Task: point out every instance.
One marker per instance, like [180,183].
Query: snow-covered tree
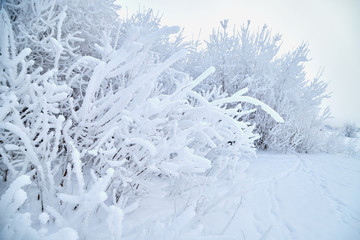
[246,59]
[93,112]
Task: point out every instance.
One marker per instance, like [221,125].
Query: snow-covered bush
[246,59]
[350,130]
[93,114]
[59,31]
[31,143]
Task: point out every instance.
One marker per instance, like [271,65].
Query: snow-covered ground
[315,196]
[300,197]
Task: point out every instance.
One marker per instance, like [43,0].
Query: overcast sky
[331,27]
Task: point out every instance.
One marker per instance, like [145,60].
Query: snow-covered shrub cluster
[93,112]
[246,59]
[346,140]
[350,130]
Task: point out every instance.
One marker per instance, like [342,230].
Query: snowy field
[300,197]
[291,196]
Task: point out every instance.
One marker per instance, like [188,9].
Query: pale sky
[331,27]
